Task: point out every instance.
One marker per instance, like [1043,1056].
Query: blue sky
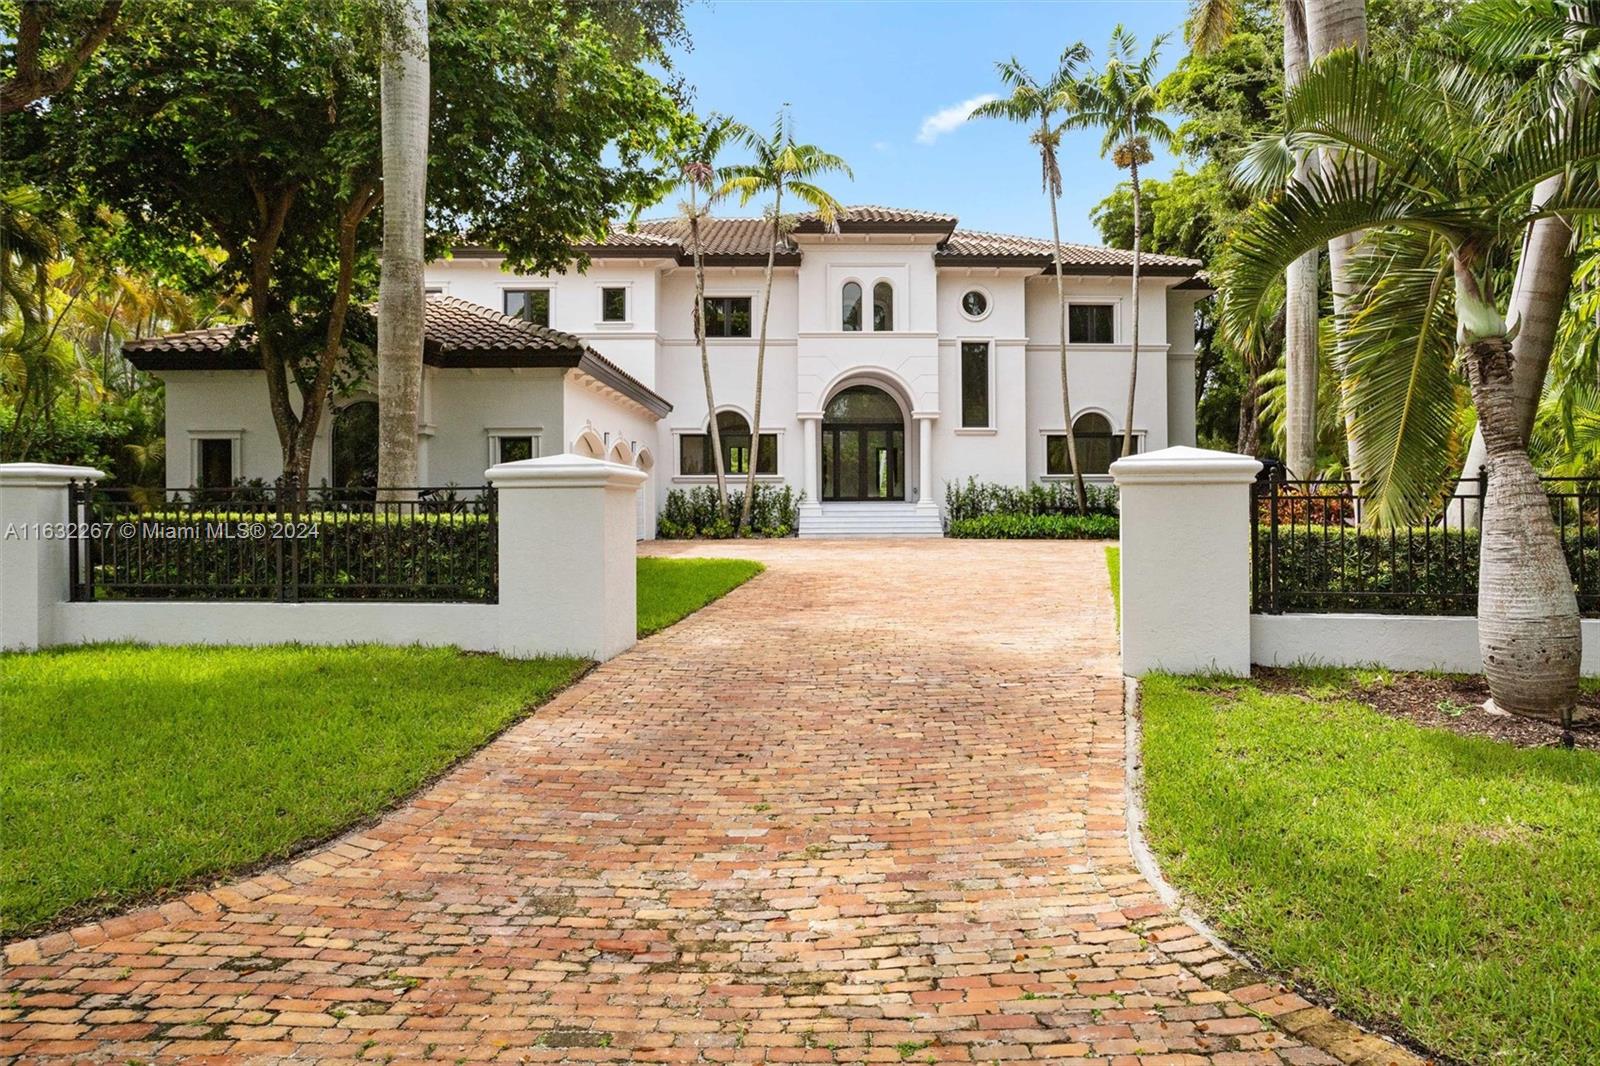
[863,78]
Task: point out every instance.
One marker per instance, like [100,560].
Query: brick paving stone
[869,808]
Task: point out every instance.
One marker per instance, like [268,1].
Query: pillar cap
[564,471]
[45,475]
[1183,465]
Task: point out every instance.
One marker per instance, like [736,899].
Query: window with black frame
[216,463]
[975,384]
[1098,447]
[728,316]
[530,305]
[695,458]
[1091,324]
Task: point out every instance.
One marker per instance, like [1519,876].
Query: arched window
[1098,446]
[355,445]
[851,317]
[882,307]
[695,456]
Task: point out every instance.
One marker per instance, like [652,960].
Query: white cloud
[942,122]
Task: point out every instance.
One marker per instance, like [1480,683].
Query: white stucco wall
[231,403]
[462,407]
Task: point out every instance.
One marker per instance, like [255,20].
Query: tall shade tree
[781,167]
[1121,100]
[696,165]
[1448,154]
[1039,103]
[255,129]
[404,105]
[52,41]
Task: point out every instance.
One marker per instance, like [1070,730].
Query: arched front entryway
[355,445]
[863,446]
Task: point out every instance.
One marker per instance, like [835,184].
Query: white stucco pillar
[567,557]
[1181,386]
[810,427]
[34,563]
[1185,521]
[927,499]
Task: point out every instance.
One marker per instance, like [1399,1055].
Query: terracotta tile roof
[456,333]
[973,244]
[719,237]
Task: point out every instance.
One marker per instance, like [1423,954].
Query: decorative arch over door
[863,446]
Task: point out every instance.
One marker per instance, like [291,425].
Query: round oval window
[975,304]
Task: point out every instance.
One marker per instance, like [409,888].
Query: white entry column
[926,500]
[811,427]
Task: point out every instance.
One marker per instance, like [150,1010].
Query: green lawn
[1114,564]
[1445,883]
[126,771]
[672,588]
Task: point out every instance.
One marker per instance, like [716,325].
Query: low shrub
[1035,527]
[690,513]
[975,499]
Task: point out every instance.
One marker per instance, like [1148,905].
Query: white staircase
[888,519]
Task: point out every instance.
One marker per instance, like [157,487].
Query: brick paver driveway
[867,808]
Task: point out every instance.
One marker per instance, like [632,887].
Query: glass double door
[863,462]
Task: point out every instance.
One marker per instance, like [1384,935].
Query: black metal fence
[1311,551]
[265,544]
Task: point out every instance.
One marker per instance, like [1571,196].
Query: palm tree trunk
[1066,396]
[705,358]
[761,365]
[1528,624]
[401,300]
[1538,297]
[1133,363]
[1300,362]
[1331,25]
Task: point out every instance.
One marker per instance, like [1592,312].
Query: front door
[863,446]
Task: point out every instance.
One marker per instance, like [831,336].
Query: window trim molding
[704,430]
[528,286]
[600,319]
[493,435]
[988,305]
[990,426]
[1141,436]
[235,436]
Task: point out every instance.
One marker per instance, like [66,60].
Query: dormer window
[851,317]
[882,307]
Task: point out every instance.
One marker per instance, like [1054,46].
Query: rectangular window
[514,449]
[1091,323]
[727,316]
[1096,453]
[614,304]
[530,305]
[694,454]
[975,384]
[216,463]
[433,290]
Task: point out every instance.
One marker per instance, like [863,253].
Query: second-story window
[1091,324]
[727,316]
[530,305]
[850,318]
[882,307]
[614,304]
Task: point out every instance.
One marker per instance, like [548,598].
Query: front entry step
[870,520]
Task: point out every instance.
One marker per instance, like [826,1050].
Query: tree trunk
[1538,298]
[1528,623]
[761,365]
[401,299]
[1133,363]
[1300,361]
[1066,395]
[1331,25]
[705,357]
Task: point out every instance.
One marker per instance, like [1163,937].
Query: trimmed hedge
[975,499]
[1035,527]
[691,513]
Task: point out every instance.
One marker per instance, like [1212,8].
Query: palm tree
[401,301]
[1211,23]
[696,163]
[1450,155]
[781,166]
[1122,100]
[1037,103]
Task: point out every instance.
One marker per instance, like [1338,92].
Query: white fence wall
[566,585]
[1186,586]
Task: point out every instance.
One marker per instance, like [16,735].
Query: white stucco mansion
[903,353]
